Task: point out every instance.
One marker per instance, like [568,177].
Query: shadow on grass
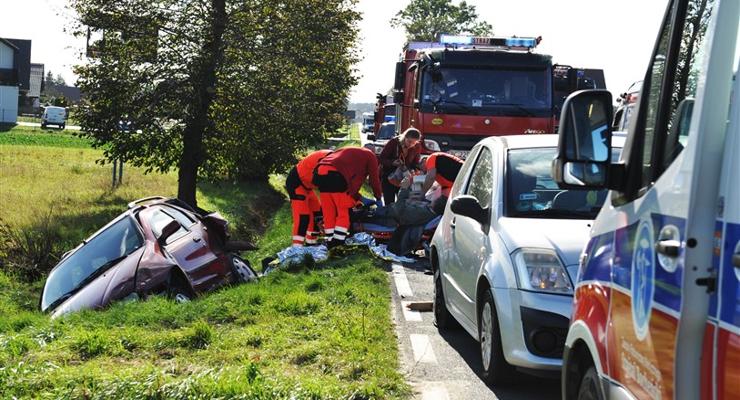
[5,127]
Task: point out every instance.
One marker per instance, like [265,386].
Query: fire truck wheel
[589,388]
[495,371]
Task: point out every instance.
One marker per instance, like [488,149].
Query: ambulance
[656,310]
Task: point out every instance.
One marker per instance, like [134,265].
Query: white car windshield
[387,131]
[532,193]
[92,259]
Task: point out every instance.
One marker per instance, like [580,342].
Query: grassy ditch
[306,333]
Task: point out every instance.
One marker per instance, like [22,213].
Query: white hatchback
[505,254]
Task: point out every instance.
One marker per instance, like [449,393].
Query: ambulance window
[670,87]
[688,71]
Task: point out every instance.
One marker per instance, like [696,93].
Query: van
[54,116]
[656,310]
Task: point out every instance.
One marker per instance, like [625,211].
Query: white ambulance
[656,312]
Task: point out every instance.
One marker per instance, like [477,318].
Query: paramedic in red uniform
[339,177]
[442,168]
[402,151]
[303,201]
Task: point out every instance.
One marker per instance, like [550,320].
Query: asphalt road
[445,366]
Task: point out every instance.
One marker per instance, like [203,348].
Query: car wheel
[442,317]
[62,126]
[43,126]
[242,271]
[589,388]
[178,289]
[495,370]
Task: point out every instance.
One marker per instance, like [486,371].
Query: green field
[307,333]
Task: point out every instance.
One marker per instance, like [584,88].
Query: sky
[616,36]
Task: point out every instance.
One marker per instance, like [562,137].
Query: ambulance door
[725,307]
[661,274]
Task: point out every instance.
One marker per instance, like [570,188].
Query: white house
[8,82]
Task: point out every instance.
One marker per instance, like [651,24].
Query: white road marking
[402,283]
[422,348]
[434,391]
[410,315]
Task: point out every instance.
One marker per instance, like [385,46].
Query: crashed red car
[158,245]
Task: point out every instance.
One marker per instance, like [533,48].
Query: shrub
[30,252]
[199,336]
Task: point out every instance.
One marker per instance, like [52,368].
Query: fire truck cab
[462,89]
[656,312]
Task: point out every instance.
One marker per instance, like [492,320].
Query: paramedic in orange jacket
[339,177]
[303,201]
[442,168]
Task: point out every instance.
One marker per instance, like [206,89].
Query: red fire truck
[462,88]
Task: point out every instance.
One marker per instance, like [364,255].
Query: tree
[423,20]
[216,88]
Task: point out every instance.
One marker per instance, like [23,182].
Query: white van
[656,311]
[54,116]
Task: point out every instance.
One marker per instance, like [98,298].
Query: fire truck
[461,89]
[383,112]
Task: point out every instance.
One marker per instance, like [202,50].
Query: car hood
[567,237]
[114,284]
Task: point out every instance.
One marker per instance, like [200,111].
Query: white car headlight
[541,270]
[432,145]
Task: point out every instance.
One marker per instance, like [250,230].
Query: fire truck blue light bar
[521,42]
[456,39]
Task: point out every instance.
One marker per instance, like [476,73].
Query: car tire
[62,126]
[589,387]
[495,371]
[241,270]
[442,317]
[43,126]
[178,289]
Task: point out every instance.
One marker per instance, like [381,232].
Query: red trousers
[304,216]
[335,202]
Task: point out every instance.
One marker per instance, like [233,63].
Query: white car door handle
[452,224]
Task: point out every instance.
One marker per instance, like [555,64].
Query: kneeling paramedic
[442,168]
[339,177]
[303,201]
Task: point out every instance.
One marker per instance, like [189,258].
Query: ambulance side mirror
[585,143]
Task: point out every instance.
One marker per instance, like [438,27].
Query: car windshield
[386,132]
[491,91]
[532,193]
[89,261]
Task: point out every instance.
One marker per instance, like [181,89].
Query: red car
[158,245]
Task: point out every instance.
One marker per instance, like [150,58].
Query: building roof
[8,43]
[22,61]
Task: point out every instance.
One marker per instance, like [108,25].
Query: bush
[199,336]
[30,252]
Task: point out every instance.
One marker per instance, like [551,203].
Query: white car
[505,254]
[54,116]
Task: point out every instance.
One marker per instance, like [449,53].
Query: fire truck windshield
[487,91]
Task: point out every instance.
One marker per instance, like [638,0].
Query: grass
[354,135]
[307,333]
[34,136]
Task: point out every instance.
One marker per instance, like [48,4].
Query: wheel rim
[486,336]
[181,298]
[242,269]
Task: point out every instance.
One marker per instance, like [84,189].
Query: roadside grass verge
[319,332]
[322,333]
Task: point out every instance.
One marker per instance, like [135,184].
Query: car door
[662,218]
[449,258]
[187,246]
[469,236]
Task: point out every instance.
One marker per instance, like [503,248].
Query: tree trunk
[204,83]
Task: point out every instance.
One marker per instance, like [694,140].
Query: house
[9,80]
[36,86]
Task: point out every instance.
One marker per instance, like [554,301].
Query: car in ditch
[159,245]
[505,254]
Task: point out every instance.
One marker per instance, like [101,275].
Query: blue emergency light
[485,41]
[455,39]
[521,42]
